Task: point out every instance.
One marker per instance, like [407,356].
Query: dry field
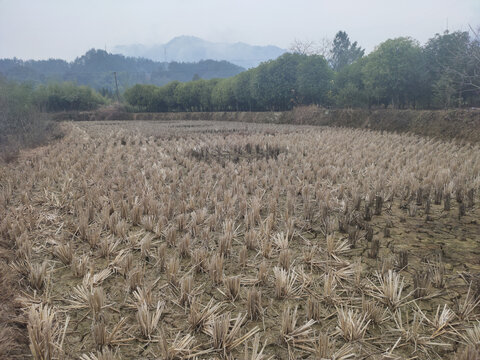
[211,240]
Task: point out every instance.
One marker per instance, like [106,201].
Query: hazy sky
[41,29]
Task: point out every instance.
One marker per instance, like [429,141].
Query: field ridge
[459,124]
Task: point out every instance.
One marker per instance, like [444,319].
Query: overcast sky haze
[42,29]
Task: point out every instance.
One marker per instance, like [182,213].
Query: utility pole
[116,85]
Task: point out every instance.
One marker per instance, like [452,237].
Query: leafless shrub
[216,268]
[466,307]
[461,210]
[143,295]
[171,237]
[401,261]
[266,247]
[96,301]
[93,237]
[184,247]
[254,303]
[388,263]
[24,248]
[472,335]
[102,337]
[437,273]
[179,348]
[250,239]
[470,198]
[45,333]
[293,335]
[446,202]
[146,247]
[367,215]
[64,252]
[242,256]
[378,205]
[390,289]
[441,320]
[37,274]
[135,278]
[186,290]
[470,352]
[173,267]
[284,259]
[136,214]
[284,282]
[314,310]
[121,229]
[262,272]
[329,286]
[232,286]
[374,249]
[80,265]
[225,335]
[336,248]
[83,226]
[160,257]
[200,260]
[257,353]
[352,325]
[369,233]
[199,316]
[108,247]
[372,311]
[148,321]
[324,348]
[421,283]
[105,354]
[412,210]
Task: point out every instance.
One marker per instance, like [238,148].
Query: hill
[191,49]
[95,68]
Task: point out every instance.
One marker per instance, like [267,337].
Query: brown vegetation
[224,240]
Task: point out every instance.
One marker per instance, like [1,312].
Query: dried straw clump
[45,333]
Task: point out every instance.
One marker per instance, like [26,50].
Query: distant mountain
[191,49]
[95,68]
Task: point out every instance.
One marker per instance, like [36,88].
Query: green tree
[223,95]
[451,68]
[167,92]
[350,90]
[314,80]
[393,72]
[344,52]
[68,97]
[146,98]
[242,87]
[274,84]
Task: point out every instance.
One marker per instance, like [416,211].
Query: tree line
[19,98]
[95,69]
[399,73]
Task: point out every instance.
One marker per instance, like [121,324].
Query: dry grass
[254,304]
[294,336]
[45,332]
[324,243]
[148,320]
[352,325]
